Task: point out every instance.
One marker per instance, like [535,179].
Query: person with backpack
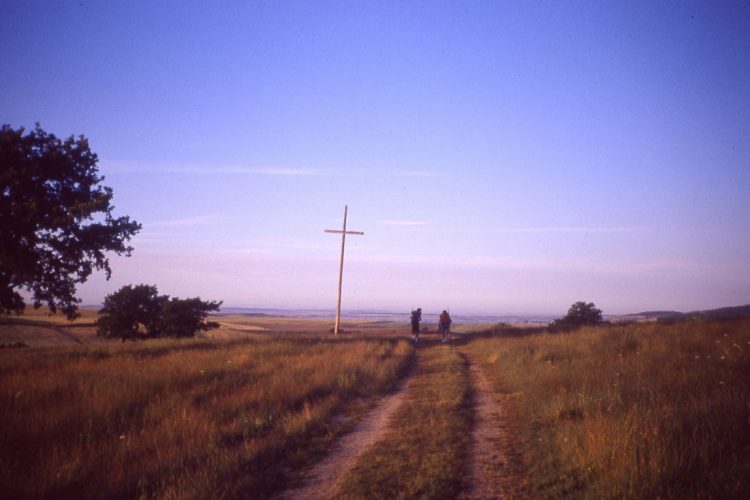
[444,325]
[416,317]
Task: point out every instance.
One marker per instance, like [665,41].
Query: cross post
[343,234]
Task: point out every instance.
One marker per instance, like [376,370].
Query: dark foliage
[185,317]
[580,314]
[139,313]
[131,313]
[56,222]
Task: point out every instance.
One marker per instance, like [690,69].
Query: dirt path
[494,466]
[322,480]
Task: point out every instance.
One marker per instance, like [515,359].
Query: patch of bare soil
[495,468]
[322,480]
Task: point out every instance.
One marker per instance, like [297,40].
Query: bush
[580,314]
[185,317]
[139,313]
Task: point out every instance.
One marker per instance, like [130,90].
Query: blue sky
[501,157]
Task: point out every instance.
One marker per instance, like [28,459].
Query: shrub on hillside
[139,313]
[185,317]
[130,313]
[580,314]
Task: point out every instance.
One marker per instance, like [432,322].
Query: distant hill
[720,313]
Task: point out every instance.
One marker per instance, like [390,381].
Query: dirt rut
[322,480]
[494,465]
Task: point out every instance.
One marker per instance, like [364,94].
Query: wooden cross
[343,234]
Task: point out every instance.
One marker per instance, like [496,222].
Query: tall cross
[343,234]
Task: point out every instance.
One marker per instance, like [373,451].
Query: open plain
[269,407]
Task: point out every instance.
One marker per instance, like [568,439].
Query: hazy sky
[501,157]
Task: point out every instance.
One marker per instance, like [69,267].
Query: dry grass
[424,453]
[39,328]
[633,411]
[637,411]
[181,419]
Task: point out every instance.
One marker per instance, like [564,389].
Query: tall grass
[636,411]
[181,419]
[425,452]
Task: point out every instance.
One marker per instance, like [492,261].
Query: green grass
[636,411]
[424,453]
[182,419]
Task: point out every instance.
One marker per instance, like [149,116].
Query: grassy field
[191,419]
[644,410]
[636,411]
[38,328]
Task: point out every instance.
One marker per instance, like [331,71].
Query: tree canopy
[140,313]
[580,314]
[131,313]
[185,317]
[56,222]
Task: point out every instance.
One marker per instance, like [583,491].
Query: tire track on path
[494,465]
[322,479]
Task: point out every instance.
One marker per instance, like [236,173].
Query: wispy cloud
[265,171]
[126,167]
[568,230]
[621,267]
[240,170]
[403,222]
[416,173]
[388,172]
[140,168]
[198,220]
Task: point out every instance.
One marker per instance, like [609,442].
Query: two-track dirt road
[493,473]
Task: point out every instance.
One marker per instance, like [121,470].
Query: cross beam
[343,232]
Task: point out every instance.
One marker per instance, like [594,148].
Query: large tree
[56,222]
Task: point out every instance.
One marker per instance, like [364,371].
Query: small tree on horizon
[579,314]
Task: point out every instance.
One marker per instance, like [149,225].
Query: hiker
[416,317]
[444,325]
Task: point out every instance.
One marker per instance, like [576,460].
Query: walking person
[444,325]
[416,317]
